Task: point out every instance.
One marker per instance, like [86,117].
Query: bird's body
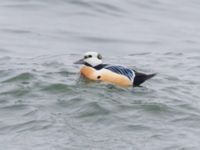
[93,69]
[105,75]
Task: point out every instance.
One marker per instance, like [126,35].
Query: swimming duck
[94,69]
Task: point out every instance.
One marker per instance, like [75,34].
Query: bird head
[91,59]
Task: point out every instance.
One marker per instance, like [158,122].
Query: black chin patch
[87,64]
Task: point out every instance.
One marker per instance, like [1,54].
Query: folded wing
[129,73]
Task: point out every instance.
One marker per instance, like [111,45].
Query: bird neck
[97,67]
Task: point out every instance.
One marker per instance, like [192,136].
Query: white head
[91,58]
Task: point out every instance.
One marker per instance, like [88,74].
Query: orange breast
[106,76]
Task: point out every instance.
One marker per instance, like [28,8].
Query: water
[44,105]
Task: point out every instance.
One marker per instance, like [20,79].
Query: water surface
[44,105]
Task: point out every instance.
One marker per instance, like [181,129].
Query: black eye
[85,57]
[89,56]
[99,56]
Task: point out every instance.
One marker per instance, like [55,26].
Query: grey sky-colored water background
[44,105]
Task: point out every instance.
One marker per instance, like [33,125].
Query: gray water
[44,105]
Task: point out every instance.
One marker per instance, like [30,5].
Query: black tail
[141,78]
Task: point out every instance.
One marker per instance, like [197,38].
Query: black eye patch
[89,56]
[85,57]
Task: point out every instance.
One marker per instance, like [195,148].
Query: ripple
[63,73]
[15,107]
[157,108]
[26,76]
[71,102]
[104,40]
[174,53]
[34,125]
[134,128]
[4,50]
[16,92]
[5,58]
[138,54]
[80,2]
[92,110]
[107,6]
[57,88]
[23,6]
[16,31]
[102,7]
[190,121]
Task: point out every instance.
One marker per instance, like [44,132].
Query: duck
[94,69]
